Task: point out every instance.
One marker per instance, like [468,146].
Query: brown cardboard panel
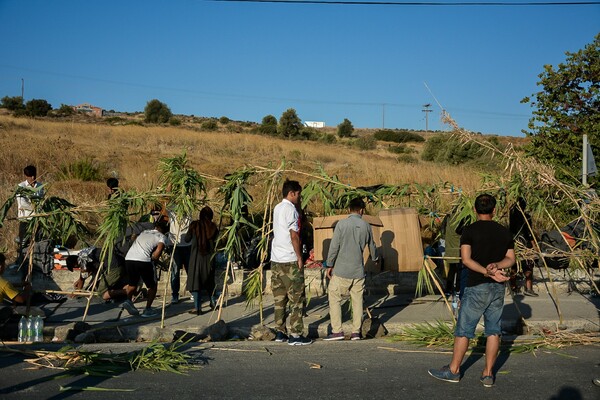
[323,232]
[400,238]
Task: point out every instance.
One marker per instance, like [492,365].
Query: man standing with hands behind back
[487,250]
[287,267]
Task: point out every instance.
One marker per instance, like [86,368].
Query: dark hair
[112,183]
[356,204]
[30,170]
[72,262]
[162,225]
[206,213]
[485,204]
[2,258]
[290,186]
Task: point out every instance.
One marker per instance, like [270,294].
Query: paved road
[370,369]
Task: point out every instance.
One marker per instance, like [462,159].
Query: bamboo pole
[426,264]
[222,296]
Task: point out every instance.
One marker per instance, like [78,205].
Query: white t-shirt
[24,206]
[178,231]
[285,217]
[144,246]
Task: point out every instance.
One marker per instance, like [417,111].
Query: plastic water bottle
[29,329]
[455,305]
[38,329]
[23,329]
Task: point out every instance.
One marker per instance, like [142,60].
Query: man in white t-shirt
[148,247]
[181,254]
[30,189]
[287,273]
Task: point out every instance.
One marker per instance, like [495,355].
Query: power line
[422,3]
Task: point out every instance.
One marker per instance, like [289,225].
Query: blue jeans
[180,257]
[485,299]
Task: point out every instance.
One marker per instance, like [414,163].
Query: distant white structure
[314,124]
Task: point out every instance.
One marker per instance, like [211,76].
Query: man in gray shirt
[346,268]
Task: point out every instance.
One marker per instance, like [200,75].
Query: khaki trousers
[340,288]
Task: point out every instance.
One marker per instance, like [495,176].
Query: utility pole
[383,116]
[426,111]
[22,89]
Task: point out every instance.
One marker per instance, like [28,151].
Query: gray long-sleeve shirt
[350,237]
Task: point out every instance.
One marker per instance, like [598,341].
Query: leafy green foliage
[37,108]
[367,142]
[447,149]
[174,121]
[12,103]
[186,188]
[64,111]
[157,112]
[565,109]
[210,125]
[345,128]
[57,219]
[290,124]
[398,136]
[268,125]
[224,120]
[85,170]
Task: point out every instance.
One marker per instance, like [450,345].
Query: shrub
[407,159]
[173,121]
[224,120]
[290,124]
[85,170]
[310,133]
[345,129]
[400,149]
[398,136]
[157,112]
[37,108]
[12,103]
[210,125]
[269,125]
[447,149]
[328,138]
[64,111]
[366,142]
[234,128]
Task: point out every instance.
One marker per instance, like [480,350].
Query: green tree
[37,108]
[157,112]
[345,129]
[565,109]
[269,125]
[65,110]
[289,124]
[12,103]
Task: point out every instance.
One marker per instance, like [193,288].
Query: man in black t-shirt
[487,250]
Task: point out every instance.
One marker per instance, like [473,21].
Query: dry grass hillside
[131,152]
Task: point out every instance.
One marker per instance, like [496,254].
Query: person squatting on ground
[202,235]
[112,281]
[30,189]
[287,273]
[148,247]
[519,224]
[487,249]
[346,268]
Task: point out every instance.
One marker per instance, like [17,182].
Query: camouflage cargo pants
[287,283]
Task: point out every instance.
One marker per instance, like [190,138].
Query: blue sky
[367,63]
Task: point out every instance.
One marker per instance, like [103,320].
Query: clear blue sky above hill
[245,60]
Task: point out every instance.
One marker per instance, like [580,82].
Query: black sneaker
[281,337]
[299,341]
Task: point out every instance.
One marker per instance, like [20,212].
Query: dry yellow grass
[132,153]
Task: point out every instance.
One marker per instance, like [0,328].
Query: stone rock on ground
[217,332]
[261,332]
[70,331]
[373,328]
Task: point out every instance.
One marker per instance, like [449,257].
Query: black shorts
[141,269]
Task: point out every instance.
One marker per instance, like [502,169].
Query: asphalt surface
[373,369]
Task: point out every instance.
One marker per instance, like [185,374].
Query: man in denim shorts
[487,250]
